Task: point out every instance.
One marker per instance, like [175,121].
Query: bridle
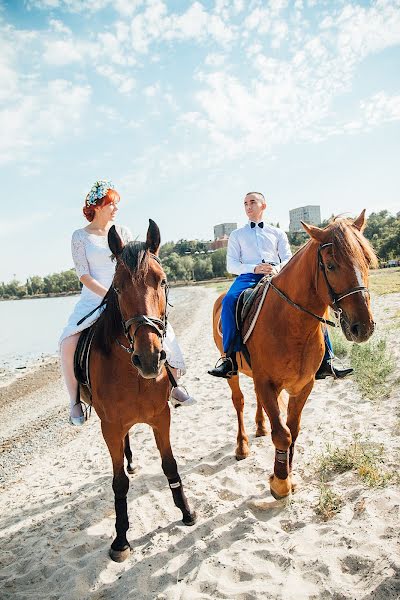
[335,298]
[158,325]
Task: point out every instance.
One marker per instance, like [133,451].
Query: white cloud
[124,83]
[38,120]
[380,108]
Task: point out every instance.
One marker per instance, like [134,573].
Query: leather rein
[158,325]
[335,298]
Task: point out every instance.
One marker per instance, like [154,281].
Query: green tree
[218,260]
[203,268]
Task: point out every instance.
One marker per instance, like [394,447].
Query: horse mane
[134,258]
[349,246]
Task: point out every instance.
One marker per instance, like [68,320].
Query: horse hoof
[261,432]
[120,555]
[131,469]
[243,454]
[280,488]
[189,519]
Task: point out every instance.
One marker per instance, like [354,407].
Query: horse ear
[153,239]
[360,221]
[114,241]
[320,235]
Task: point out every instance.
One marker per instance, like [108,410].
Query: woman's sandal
[188,401]
[78,421]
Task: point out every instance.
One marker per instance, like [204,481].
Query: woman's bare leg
[67,351]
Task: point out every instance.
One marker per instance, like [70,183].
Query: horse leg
[114,439]
[128,455]
[295,408]
[161,429]
[261,428]
[280,482]
[242,448]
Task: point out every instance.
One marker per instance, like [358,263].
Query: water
[29,329]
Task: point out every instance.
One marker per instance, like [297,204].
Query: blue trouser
[230,334]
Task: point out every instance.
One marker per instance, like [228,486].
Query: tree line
[191,260]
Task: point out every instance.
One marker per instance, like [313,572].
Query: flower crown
[99,190]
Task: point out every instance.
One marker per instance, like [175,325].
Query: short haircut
[257,194]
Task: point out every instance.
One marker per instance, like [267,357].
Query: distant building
[220,243]
[309,214]
[224,229]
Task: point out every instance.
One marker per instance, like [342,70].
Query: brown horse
[128,378]
[287,346]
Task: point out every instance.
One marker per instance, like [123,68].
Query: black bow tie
[252,224]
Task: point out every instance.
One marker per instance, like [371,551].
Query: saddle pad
[81,356]
[249,305]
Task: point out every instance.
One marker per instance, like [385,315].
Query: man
[256,250]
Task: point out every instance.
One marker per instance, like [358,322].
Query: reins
[335,298]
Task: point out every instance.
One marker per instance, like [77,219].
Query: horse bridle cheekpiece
[335,298]
[159,325]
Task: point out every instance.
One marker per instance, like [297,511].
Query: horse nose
[136,360]
[163,355]
[356,329]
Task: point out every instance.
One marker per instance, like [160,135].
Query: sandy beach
[56,500]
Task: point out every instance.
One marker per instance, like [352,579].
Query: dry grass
[329,503]
[373,363]
[385,281]
[364,458]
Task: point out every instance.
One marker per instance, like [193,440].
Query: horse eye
[117,290]
[330,267]
[163,283]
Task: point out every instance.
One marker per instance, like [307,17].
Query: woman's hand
[93,285]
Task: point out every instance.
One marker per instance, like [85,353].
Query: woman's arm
[82,265]
[93,285]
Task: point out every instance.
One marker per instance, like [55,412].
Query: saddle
[81,357]
[248,308]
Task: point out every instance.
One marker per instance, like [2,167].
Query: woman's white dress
[92,256]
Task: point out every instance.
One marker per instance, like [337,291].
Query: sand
[56,501]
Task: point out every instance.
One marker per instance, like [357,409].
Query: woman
[95,270]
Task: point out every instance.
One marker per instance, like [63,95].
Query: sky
[186,106]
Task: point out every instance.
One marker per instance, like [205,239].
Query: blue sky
[186,106]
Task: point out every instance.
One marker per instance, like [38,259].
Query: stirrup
[86,410]
[232,372]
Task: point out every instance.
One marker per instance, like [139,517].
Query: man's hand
[265,269]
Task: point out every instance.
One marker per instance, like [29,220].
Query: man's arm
[284,251]
[233,264]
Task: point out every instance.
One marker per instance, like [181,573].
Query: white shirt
[248,247]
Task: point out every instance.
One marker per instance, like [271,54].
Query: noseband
[335,298]
[158,325]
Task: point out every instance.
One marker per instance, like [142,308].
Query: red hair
[111,196]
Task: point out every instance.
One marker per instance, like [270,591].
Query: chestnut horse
[287,345]
[128,378]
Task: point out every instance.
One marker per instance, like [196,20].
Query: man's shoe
[327,369]
[226,369]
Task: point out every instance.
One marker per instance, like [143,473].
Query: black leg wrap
[180,500]
[121,524]
[281,468]
[291,452]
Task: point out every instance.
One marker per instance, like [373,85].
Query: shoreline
[172,284]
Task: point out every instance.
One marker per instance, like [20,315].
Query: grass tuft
[364,457]
[329,503]
[372,363]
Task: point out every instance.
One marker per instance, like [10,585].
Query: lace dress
[92,256]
